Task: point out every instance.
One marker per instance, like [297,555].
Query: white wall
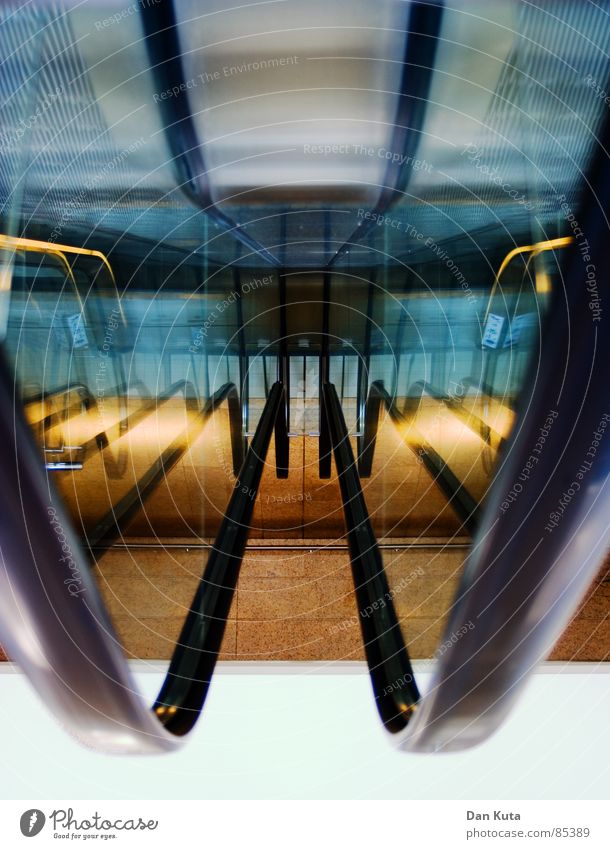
[311,731]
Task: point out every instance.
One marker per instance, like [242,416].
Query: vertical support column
[324,439]
[364,366]
[282,422]
[244,374]
[284,364]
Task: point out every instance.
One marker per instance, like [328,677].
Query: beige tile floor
[300,604]
[297,605]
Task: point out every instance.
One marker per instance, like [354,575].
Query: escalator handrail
[10,243]
[471,420]
[60,250]
[423,30]
[52,619]
[110,526]
[51,420]
[102,440]
[396,693]
[485,389]
[187,682]
[462,501]
[162,43]
[535,555]
[115,469]
[519,250]
[59,392]
[89,400]
[324,444]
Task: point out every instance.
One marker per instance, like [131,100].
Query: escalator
[420,437]
[132,450]
[378,369]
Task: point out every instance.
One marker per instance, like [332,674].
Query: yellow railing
[14,243]
[534,250]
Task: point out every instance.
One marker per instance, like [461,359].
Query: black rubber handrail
[51,420]
[70,410]
[244,373]
[164,51]
[282,447]
[396,693]
[464,504]
[59,392]
[115,469]
[100,440]
[484,388]
[423,31]
[471,420]
[184,691]
[282,424]
[110,527]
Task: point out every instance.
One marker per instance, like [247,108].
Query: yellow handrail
[12,244]
[21,244]
[536,248]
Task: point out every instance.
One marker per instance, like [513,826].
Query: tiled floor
[297,605]
[300,605]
